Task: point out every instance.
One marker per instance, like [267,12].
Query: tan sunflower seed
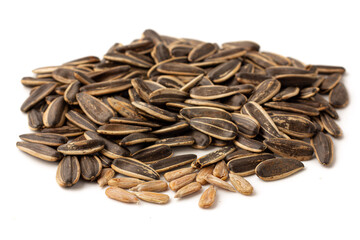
[207,199]
[221,170]
[90,166]
[172,175]
[278,168]
[241,184]
[339,96]
[105,175]
[180,182]
[219,183]
[188,190]
[124,182]
[200,177]
[68,171]
[245,165]
[323,147]
[290,148]
[152,186]
[39,151]
[48,139]
[121,195]
[151,197]
[133,168]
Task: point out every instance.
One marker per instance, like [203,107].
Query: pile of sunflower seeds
[127,114]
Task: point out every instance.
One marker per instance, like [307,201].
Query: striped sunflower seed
[338,96]
[121,129]
[48,139]
[133,168]
[213,157]
[90,166]
[68,171]
[36,96]
[215,127]
[323,148]
[245,165]
[278,168]
[265,91]
[172,162]
[290,148]
[83,147]
[39,151]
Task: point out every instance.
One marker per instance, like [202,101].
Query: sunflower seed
[227,54]
[249,144]
[68,171]
[151,197]
[246,45]
[308,92]
[108,87]
[48,139]
[71,91]
[268,128]
[182,181]
[105,175]
[188,190]
[215,127]
[111,149]
[245,165]
[170,81]
[294,107]
[290,148]
[134,122]
[36,96]
[208,103]
[325,69]
[64,75]
[66,131]
[175,174]
[136,138]
[295,126]
[173,162]
[164,95]
[201,51]
[122,58]
[219,183]
[54,116]
[323,147]
[200,177]
[35,121]
[156,111]
[90,167]
[177,141]
[241,184]
[97,111]
[224,71]
[221,170]
[133,168]
[251,78]
[83,78]
[201,140]
[39,151]
[236,154]
[160,53]
[124,182]
[121,129]
[212,92]
[286,93]
[175,68]
[121,195]
[338,96]
[297,80]
[265,91]
[278,168]
[172,129]
[193,112]
[83,147]
[246,124]
[213,157]
[152,186]
[207,199]
[330,125]
[80,120]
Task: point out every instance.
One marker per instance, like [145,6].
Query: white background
[318,203]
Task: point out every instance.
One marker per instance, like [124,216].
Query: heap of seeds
[127,113]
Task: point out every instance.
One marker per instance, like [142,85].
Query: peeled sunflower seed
[221,170]
[90,166]
[241,184]
[215,127]
[68,171]
[83,147]
[278,168]
[245,165]
[134,168]
[323,148]
[182,181]
[207,199]
[151,197]
[48,139]
[172,162]
[188,189]
[172,175]
[151,186]
[121,195]
[219,183]
[290,148]
[105,175]
[40,151]
[124,182]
